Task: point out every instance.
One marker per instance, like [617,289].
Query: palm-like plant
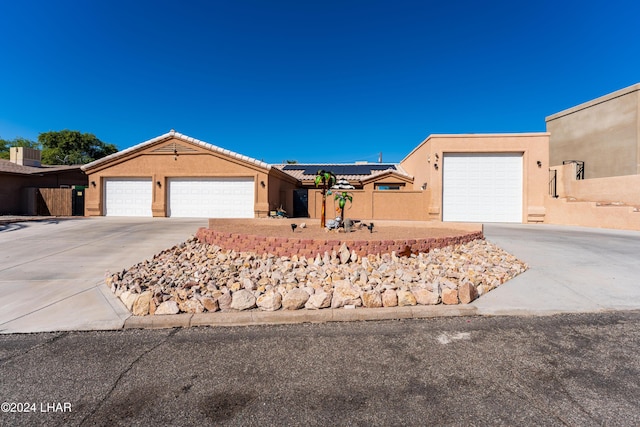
[326,180]
[342,199]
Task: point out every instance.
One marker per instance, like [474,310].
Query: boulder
[141,305]
[425,296]
[345,295]
[390,298]
[243,300]
[270,301]
[167,307]
[467,293]
[371,299]
[318,300]
[449,296]
[405,298]
[295,299]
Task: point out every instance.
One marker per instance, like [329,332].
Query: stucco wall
[604,133]
[378,204]
[160,166]
[534,147]
[623,189]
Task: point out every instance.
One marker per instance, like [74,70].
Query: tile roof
[350,172]
[182,137]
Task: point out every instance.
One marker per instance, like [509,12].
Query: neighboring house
[603,133]
[23,176]
[595,162]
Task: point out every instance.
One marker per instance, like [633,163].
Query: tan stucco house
[174,175]
[500,177]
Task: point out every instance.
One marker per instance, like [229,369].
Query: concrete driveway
[52,272]
[572,269]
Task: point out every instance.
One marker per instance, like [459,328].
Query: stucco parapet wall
[284,246]
[185,138]
[600,100]
[475,136]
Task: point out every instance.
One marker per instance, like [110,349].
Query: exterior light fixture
[159,184]
[539,163]
[93,184]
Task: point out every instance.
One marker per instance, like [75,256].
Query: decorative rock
[167,307]
[191,306]
[450,296]
[295,299]
[345,295]
[270,301]
[242,300]
[141,306]
[371,299]
[467,293]
[425,296]
[318,300]
[194,271]
[344,254]
[389,298]
[405,298]
[209,303]
[128,299]
[224,301]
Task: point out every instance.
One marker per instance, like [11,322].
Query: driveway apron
[52,272]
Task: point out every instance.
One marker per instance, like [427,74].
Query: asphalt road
[576,369]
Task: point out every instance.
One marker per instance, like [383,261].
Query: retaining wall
[284,246]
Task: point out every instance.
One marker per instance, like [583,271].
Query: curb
[253,318]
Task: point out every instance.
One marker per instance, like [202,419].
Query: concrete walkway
[52,275]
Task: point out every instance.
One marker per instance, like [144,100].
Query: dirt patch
[382,230]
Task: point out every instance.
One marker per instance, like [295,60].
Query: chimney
[24,156]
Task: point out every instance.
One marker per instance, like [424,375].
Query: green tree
[326,180]
[70,147]
[6,144]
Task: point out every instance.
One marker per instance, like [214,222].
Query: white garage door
[127,196]
[211,197]
[482,187]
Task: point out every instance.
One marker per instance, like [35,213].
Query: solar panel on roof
[342,169]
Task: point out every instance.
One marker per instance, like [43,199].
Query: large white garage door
[211,197]
[482,187]
[127,196]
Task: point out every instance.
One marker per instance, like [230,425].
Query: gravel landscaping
[195,277]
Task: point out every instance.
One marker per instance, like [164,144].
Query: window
[388,186]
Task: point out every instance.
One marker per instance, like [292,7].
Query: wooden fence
[55,201]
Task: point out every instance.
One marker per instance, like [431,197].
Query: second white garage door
[211,197]
[482,187]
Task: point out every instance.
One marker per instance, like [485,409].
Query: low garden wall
[284,246]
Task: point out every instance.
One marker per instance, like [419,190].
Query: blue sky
[306,80]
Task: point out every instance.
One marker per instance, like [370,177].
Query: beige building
[482,177]
[467,178]
[174,175]
[603,133]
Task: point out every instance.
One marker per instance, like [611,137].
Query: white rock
[242,300]
[167,307]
